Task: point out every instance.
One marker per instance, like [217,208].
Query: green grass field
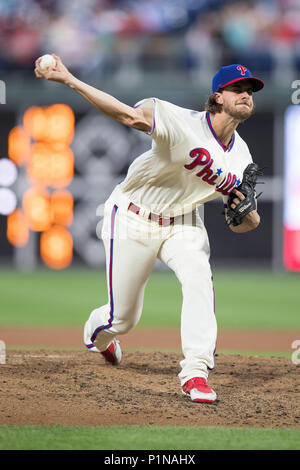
[146,438]
[256,300]
[253,300]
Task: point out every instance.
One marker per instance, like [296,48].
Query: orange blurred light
[39,165]
[61,123]
[35,123]
[62,167]
[18,145]
[62,207]
[51,166]
[56,247]
[37,209]
[17,228]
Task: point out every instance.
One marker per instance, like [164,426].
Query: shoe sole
[200,400]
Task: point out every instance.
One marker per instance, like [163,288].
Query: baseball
[47,61]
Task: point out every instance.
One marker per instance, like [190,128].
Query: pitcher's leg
[199,328]
[187,254]
[129,265]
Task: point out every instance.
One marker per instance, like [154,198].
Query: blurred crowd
[127,39]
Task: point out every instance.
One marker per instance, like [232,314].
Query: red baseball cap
[234,73]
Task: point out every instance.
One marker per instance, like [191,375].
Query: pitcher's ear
[218,97]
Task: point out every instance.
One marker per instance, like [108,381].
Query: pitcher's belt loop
[153,217]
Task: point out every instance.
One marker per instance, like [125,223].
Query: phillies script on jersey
[202,158]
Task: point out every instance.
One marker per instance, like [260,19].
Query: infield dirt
[43,387]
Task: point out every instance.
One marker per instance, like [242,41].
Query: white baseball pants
[132,244]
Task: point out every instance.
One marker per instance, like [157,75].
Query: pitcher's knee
[196,275]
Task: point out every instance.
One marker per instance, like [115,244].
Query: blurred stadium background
[60,158]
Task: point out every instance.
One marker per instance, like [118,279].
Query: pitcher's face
[237,100]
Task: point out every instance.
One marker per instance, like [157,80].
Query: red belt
[154,217]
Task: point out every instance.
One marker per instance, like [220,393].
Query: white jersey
[187,164]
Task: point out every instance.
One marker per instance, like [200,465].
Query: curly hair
[212,106]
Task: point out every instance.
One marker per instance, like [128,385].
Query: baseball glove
[247,188]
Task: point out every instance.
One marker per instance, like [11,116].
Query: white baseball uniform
[186,167]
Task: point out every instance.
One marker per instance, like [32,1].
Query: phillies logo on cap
[242,69]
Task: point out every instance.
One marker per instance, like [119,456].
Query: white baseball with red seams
[47,61]
[186,166]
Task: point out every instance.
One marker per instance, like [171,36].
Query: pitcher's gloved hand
[238,208]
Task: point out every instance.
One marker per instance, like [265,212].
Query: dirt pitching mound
[79,388]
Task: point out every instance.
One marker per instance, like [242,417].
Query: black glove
[247,188]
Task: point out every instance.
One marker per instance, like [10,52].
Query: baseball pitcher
[195,157]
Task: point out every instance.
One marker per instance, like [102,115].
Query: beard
[238,112]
